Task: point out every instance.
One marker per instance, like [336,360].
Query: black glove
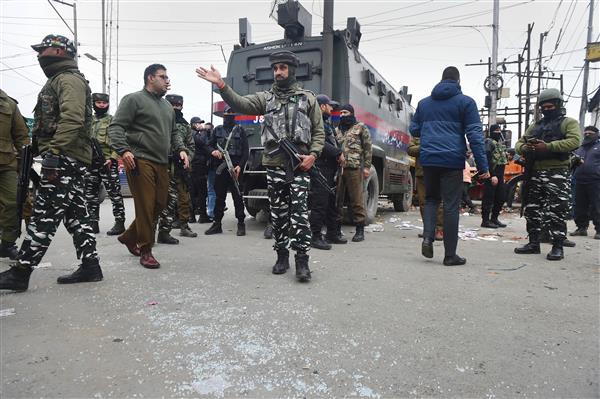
[50,167]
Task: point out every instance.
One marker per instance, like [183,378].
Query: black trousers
[224,183]
[199,192]
[443,184]
[323,210]
[493,196]
[587,205]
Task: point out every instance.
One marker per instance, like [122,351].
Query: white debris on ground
[375,228]
[7,312]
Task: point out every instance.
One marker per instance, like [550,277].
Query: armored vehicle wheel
[402,202]
[371,195]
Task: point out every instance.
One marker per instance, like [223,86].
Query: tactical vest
[47,111]
[99,132]
[287,117]
[235,143]
[549,132]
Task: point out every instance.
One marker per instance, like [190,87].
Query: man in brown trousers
[141,132]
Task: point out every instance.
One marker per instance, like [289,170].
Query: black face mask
[496,136]
[552,113]
[100,111]
[588,139]
[228,121]
[48,60]
[347,121]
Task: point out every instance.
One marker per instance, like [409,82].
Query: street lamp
[91,57]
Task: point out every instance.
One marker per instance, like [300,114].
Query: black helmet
[284,57]
[100,97]
[174,99]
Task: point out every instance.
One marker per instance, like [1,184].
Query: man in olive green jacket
[548,143]
[63,115]
[13,136]
[284,103]
[142,132]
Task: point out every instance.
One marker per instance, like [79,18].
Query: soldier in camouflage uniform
[104,170]
[63,116]
[179,197]
[13,136]
[284,103]
[548,142]
[355,140]
[493,197]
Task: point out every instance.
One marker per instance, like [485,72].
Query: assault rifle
[527,175]
[98,155]
[25,174]
[291,151]
[230,168]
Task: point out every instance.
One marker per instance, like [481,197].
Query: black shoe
[556,253]
[283,261]
[568,243]
[166,238]
[454,260]
[318,242]
[204,219]
[335,239]
[268,233]
[95,228]
[579,232]
[241,229]
[302,270]
[427,248]
[360,233]
[8,250]
[489,224]
[529,248]
[216,228]
[498,223]
[15,278]
[118,228]
[88,271]
[185,231]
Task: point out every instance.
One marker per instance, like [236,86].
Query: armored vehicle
[352,79]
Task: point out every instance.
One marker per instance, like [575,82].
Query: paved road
[378,320]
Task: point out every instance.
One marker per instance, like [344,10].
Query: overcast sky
[409,42]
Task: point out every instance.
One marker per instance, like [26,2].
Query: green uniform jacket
[185,133]
[73,95]
[413,150]
[357,146]
[13,132]
[572,141]
[145,125]
[255,104]
[100,133]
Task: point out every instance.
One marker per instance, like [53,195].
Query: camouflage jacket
[13,132]
[100,133]
[184,131]
[357,146]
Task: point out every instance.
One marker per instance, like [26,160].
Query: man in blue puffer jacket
[441,121]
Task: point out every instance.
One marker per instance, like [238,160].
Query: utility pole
[327,76]
[540,73]
[586,69]
[103,48]
[74,6]
[494,68]
[528,76]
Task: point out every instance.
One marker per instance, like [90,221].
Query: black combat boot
[88,271]
[581,231]
[215,228]
[165,238]
[16,279]
[568,243]
[497,222]
[186,231]
[360,233]
[268,233]
[532,247]
[486,222]
[283,261]
[302,270]
[556,253]
[318,242]
[241,228]
[95,228]
[8,250]
[427,248]
[335,236]
[118,228]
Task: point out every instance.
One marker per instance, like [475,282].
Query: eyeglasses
[163,77]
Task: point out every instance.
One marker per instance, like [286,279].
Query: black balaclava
[347,121]
[552,113]
[496,133]
[100,111]
[179,116]
[590,135]
[52,64]
[228,121]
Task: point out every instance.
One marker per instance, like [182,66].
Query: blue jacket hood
[445,90]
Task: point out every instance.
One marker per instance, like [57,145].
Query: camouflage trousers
[289,209]
[167,215]
[62,199]
[110,179]
[548,204]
